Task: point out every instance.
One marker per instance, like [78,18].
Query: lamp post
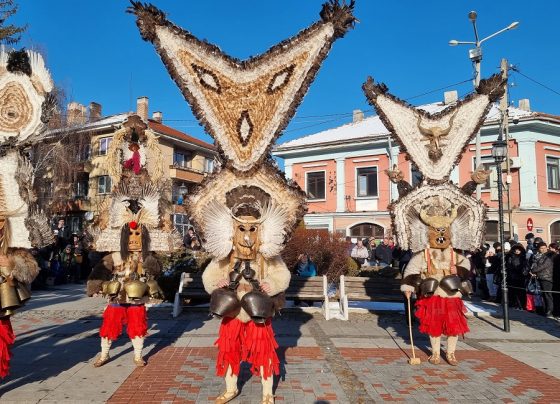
[475,55]
[499,152]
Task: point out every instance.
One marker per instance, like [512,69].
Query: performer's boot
[435,342]
[103,357]
[231,388]
[268,397]
[138,344]
[450,352]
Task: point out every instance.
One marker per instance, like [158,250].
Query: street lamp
[499,152]
[475,55]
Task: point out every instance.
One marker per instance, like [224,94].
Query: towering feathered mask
[244,105]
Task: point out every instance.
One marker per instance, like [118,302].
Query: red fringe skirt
[116,316]
[441,315]
[7,339]
[250,342]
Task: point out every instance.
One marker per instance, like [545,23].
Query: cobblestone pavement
[363,360]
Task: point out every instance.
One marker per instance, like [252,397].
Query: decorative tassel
[137,325]
[259,349]
[229,346]
[439,315]
[114,317]
[7,339]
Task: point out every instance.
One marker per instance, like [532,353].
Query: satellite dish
[88,216]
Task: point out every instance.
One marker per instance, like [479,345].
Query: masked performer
[25,106]
[134,217]
[437,219]
[246,211]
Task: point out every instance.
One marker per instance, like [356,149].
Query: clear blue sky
[95,52]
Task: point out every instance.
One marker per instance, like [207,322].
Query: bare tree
[9,33]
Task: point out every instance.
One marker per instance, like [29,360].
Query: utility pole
[504,127]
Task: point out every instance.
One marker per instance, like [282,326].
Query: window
[315,185]
[367,230]
[103,184]
[208,165]
[415,175]
[84,152]
[555,232]
[492,232]
[181,159]
[81,188]
[553,173]
[104,145]
[181,223]
[366,181]
[179,191]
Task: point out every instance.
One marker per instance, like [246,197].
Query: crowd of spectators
[64,261]
[532,274]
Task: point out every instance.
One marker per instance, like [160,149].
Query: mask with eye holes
[246,238]
[134,237]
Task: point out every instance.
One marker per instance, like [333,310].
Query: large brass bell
[224,303]
[450,284]
[9,299]
[153,288]
[23,292]
[258,306]
[428,286]
[466,288]
[6,313]
[104,287]
[113,287]
[135,289]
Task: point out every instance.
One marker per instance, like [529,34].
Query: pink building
[342,171]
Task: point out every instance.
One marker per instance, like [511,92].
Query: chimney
[142,108]
[157,116]
[75,114]
[450,97]
[525,104]
[94,111]
[357,115]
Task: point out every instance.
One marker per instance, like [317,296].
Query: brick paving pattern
[187,375]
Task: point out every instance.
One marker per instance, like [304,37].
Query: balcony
[186,173]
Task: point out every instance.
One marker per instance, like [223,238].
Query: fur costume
[25,107]
[134,223]
[247,210]
[437,219]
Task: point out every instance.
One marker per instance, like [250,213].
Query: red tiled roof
[166,130]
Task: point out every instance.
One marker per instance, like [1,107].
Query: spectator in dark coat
[516,268]
[384,253]
[554,247]
[542,267]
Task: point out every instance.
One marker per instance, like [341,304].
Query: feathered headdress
[435,143]
[244,105]
[140,195]
[25,106]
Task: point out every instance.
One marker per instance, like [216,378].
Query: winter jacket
[384,253]
[307,269]
[542,266]
[516,265]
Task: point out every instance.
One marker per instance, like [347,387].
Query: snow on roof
[372,126]
[108,121]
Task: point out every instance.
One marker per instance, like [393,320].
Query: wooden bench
[371,289]
[190,287]
[312,288]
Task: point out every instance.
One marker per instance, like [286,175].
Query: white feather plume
[274,218]
[218,229]
[39,70]
[149,213]
[119,212]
